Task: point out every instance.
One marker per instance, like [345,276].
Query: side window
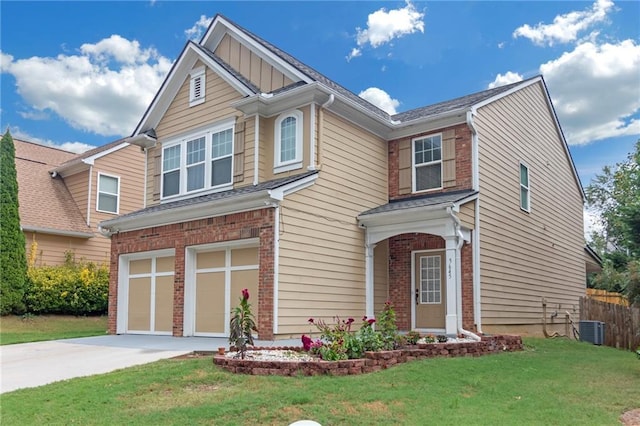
[288,142]
[171,171]
[427,163]
[525,201]
[197,86]
[108,193]
[195,164]
[221,157]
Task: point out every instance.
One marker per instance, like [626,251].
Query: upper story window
[524,188]
[288,142]
[202,161]
[197,86]
[108,193]
[427,163]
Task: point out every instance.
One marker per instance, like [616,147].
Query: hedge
[74,288]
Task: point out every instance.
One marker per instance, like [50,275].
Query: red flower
[311,320]
[306,342]
[364,318]
[245,294]
[350,321]
[371,321]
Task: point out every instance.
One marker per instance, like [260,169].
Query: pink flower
[364,318]
[306,342]
[350,321]
[245,294]
[311,320]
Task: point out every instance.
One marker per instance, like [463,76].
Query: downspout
[321,127]
[312,137]
[89,196]
[475,173]
[146,169]
[460,237]
[276,264]
[256,150]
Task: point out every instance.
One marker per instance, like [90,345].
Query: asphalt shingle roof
[45,202]
[216,196]
[422,201]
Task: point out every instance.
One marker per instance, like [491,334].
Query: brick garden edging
[372,361]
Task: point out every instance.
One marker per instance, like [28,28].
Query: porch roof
[431,200]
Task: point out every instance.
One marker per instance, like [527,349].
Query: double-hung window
[108,193]
[525,200]
[427,163]
[199,162]
[288,142]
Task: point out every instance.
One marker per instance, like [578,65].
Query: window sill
[287,167]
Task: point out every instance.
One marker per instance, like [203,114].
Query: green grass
[552,382]
[16,329]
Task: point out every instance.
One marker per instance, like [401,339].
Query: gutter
[61,232]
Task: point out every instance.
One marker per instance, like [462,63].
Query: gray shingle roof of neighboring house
[216,196]
[228,68]
[422,201]
[453,104]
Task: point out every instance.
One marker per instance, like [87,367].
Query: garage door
[220,276]
[150,295]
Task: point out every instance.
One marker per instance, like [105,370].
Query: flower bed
[372,361]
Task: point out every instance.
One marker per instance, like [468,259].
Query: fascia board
[91,159]
[187,213]
[60,232]
[465,200]
[269,105]
[413,214]
[427,124]
[283,191]
[221,26]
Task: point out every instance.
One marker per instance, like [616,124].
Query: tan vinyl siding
[128,165]
[51,249]
[467,214]
[526,256]
[180,118]
[319,233]
[250,65]
[78,186]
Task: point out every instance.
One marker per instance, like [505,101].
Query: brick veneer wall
[463,161]
[401,287]
[372,361]
[238,226]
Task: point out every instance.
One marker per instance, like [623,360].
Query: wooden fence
[622,323]
[607,296]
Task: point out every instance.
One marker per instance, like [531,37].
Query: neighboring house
[264,174]
[63,196]
[592,261]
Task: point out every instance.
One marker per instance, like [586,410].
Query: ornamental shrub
[13,261]
[76,288]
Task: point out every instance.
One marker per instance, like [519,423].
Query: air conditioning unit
[592,331]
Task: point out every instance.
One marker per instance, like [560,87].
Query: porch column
[451,319]
[368,278]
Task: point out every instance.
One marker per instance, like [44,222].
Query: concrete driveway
[29,365]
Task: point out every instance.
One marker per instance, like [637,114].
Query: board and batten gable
[180,119]
[322,259]
[527,256]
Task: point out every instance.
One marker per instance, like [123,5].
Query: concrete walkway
[35,364]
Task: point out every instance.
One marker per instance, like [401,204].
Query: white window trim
[413,164]
[440,257]
[528,187]
[98,192]
[195,74]
[182,142]
[296,163]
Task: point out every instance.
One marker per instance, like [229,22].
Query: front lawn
[30,328]
[551,382]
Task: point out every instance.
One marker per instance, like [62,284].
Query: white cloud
[502,80]
[381,99]
[77,147]
[196,31]
[565,28]
[355,52]
[596,90]
[104,89]
[592,223]
[383,26]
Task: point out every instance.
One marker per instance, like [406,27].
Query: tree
[13,261]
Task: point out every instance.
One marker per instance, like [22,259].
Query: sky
[80,74]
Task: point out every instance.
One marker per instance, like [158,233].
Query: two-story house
[264,174]
[63,196]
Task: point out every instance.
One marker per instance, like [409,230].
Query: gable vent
[197,86]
